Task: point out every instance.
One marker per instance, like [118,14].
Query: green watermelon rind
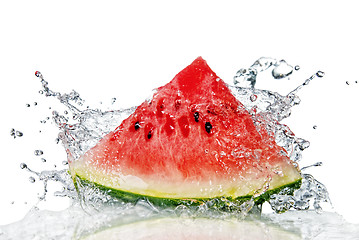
[219,202]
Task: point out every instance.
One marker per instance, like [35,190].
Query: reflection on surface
[141,222]
[199,228]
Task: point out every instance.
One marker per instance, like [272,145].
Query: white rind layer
[255,182]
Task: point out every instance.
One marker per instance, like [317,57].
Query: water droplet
[32,179]
[23,165]
[113,100]
[35,103]
[320,74]
[306,82]
[41,92]
[253,97]
[43,159]
[302,144]
[12,133]
[12,202]
[27,105]
[347,82]
[38,74]
[19,134]
[65,163]
[315,127]
[317,164]
[66,112]
[282,70]
[38,152]
[356,81]
[297,67]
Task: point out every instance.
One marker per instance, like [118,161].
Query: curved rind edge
[216,202]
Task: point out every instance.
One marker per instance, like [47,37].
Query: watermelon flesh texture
[192,140]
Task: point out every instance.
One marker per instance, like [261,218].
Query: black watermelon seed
[196,116]
[149,134]
[137,125]
[208,127]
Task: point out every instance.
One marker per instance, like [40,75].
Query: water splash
[282,70]
[311,194]
[274,107]
[247,77]
[81,127]
[15,133]
[61,176]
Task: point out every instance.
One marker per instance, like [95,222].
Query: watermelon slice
[193,141]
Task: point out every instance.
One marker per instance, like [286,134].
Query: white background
[106,49]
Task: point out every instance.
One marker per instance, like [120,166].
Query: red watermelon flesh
[193,139]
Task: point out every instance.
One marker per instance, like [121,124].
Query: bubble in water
[320,74]
[32,179]
[253,97]
[38,152]
[282,70]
